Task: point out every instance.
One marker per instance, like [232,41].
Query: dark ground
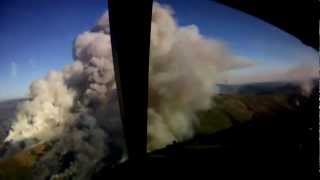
[279,137]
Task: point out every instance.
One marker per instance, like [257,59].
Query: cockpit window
[213,67]
[59,110]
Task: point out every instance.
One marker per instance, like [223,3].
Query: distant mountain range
[289,87]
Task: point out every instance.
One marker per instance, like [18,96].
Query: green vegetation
[213,120]
[228,110]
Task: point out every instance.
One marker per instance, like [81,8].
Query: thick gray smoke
[77,107]
[184,67]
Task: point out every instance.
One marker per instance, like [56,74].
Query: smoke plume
[184,67]
[77,107]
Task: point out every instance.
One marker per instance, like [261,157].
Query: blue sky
[37,35]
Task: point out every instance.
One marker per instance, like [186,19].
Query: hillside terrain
[240,122]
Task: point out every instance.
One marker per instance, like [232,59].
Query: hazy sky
[37,35]
[272,49]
